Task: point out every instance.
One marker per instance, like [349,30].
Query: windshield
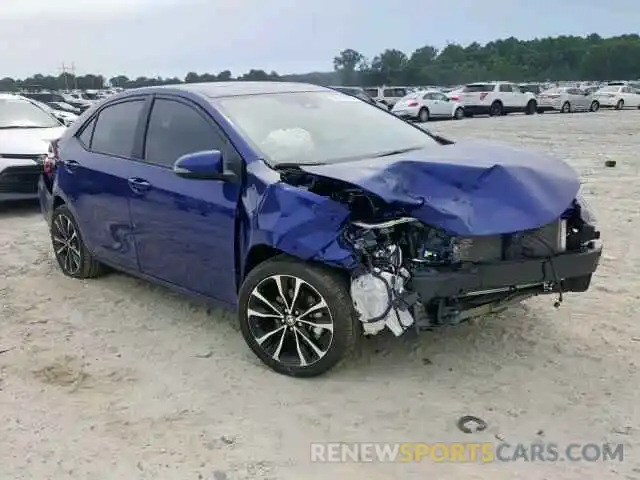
[318,127]
[17,113]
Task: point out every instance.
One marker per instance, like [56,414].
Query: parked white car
[496,98]
[567,99]
[618,97]
[66,118]
[26,131]
[428,104]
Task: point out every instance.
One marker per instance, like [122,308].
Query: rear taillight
[51,160]
[412,103]
[483,95]
[455,99]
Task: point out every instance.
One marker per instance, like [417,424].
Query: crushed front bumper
[569,271]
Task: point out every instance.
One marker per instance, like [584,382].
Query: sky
[173,37]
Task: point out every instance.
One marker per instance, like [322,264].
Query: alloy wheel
[66,244]
[290,320]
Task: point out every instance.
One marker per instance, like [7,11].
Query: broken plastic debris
[373,297]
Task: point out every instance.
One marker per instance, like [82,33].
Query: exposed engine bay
[392,248]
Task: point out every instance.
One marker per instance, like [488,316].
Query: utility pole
[64,76]
[73,72]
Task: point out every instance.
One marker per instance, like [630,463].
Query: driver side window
[176,129]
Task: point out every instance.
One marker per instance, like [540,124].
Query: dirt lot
[117,379]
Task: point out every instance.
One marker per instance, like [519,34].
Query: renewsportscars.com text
[341,452]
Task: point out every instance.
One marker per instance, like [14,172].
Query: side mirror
[207,165]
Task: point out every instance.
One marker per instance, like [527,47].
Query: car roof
[235,88]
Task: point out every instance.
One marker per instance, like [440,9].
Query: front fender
[297,222]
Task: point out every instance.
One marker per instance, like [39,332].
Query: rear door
[185,229]
[95,166]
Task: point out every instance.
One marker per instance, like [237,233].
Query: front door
[443,107]
[93,175]
[184,229]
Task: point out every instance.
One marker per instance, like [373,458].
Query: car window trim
[232,157]
[145,99]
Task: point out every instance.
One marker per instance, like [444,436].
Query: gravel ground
[118,379]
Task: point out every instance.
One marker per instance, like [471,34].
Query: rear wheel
[620,104]
[459,113]
[595,106]
[423,115]
[566,107]
[496,109]
[68,246]
[297,317]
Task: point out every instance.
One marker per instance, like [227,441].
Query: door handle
[138,185]
[70,165]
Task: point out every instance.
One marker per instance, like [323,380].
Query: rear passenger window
[115,129]
[87,133]
[505,88]
[176,129]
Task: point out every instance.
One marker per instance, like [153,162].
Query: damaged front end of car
[408,271]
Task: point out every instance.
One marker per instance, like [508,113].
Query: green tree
[347,64]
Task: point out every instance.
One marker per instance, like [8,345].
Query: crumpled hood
[468,188]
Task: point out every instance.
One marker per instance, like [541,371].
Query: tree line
[546,59]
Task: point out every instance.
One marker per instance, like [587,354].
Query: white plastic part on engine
[370,298]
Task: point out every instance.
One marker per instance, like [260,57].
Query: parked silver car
[567,99]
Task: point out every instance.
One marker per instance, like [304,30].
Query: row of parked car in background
[65,106]
[496,98]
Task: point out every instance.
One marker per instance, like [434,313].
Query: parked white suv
[387,95]
[496,98]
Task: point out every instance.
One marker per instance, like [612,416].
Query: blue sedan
[317,216]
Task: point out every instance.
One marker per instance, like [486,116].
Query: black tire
[496,109]
[566,107]
[327,285]
[423,115]
[595,106]
[459,113]
[532,107]
[620,104]
[73,257]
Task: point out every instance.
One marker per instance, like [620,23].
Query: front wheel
[620,105]
[458,114]
[566,107]
[71,253]
[297,317]
[532,107]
